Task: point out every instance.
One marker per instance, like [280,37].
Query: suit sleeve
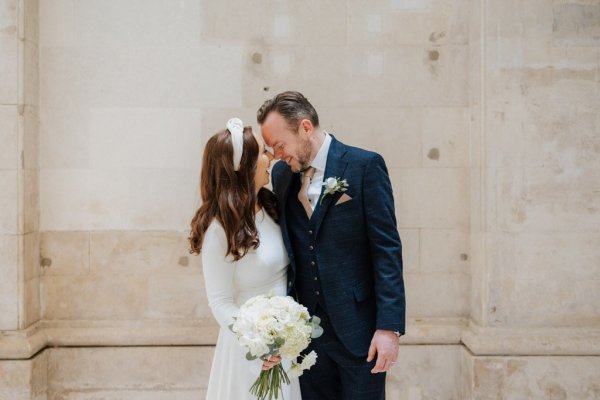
[218,276]
[385,246]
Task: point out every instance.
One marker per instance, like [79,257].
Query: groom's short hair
[292,106]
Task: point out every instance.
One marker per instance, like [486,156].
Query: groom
[344,248]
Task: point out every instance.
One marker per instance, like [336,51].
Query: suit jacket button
[289,284]
[317,292]
[310,232]
[313,263]
[312,248]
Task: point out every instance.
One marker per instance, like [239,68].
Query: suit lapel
[283,194]
[336,166]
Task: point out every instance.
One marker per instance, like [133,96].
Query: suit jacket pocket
[362,292]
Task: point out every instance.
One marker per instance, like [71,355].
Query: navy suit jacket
[357,246]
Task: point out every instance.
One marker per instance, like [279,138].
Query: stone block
[31,76]
[8,18]
[9,120]
[577,24]
[65,252]
[431,197]
[9,299]
[264,75]
[15,380]
[133,199]
[560,377]
[142,253]
[29,202]
[156,138]
[57,23]
[425,372]
[118,76]
[60,212]
[9,200]
[150,23]
[31,21]
[395,133]
[31,139]
[9,63]
[437,294]
[29,245]
[64,137]
[121,296]
[445,137]
[555,274]
[30,306]
[154,192]
[526,197]
[177,297]
[78,372]
[411,243]
[283,23]
[444,250]
[393,23]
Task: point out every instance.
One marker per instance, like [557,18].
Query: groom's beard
[304,157]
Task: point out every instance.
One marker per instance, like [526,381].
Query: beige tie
[303,193]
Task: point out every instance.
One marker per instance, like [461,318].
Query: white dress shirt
[319,163]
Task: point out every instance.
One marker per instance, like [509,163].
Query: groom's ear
[306,127]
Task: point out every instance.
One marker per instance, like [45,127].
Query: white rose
[309,360]
[331,183]
[295,371]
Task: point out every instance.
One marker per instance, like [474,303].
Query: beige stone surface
[77,373]
[119,296]
[437,294]
[396,23]
[535,377]
[425,372]
[431,197]
[9,299]
[138,199]
[24,379]
[8,137]
[9,61]
[411,243]
[118,76]
[65,253]
[445,136]
[29,201]
[395,133]
[444,250]
[143,253]
[9,200]
[15,380]
[31,137]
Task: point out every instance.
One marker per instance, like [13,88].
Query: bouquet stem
[268,383]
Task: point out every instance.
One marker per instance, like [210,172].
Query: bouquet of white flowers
[269,325]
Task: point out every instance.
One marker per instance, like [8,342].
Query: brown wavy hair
[230,196]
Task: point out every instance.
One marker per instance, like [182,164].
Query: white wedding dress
[228,285]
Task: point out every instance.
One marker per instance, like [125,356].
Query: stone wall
[485,111]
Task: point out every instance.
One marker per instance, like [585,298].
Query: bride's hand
[270,362]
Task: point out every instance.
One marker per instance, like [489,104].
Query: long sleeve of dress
[219,274]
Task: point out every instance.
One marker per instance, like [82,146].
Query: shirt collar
[320,160]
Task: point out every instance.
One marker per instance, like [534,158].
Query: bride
[243,254]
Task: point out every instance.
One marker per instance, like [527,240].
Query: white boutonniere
[334,185]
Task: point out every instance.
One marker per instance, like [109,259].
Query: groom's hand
[385,344]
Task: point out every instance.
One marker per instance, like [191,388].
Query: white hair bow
[236,127]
